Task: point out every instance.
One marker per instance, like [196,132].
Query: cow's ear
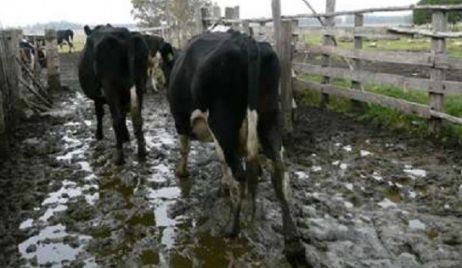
[87,30]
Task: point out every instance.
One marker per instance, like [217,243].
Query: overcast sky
[23,12]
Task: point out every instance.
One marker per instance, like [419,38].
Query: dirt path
[364,197]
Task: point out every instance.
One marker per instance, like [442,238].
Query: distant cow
[224,88]
[28,56]
[154,43]
[66,36]
[112,70]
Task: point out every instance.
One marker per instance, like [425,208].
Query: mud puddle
[363,197]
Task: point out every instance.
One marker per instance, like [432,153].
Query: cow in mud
[27,54]
[65,36]
[154,44]
[112,70]
[223,88]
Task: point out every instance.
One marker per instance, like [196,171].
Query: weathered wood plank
[434,34]
[358,45]
[328,40]
[365,31]
[365,76]
[368,97]
[439,23]
[411,83]
[286,75]
[400,57]
[51,45]
[382,9]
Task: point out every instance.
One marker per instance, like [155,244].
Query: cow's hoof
[231,231]
[224,191]
[142,154]
[181,173]
[119,161]
[295,254]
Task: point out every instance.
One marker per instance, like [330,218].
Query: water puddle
[53,245]
[417,225]
[387,203]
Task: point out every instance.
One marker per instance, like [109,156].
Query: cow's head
[89,31]
[168,60]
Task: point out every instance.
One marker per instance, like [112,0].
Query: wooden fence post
[205,14]
[13,73]
[327,41]
[358,44]
[9,85]
[3,87]
[216,12]
[246,28]
[51,46]
[286,75]
[439,24]
[36,62]
[229,12]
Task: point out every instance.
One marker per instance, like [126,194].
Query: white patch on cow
[133,99]
[154,82]
[32,61]
[294,104]
[218,28]
[286,185]
[282,152]
[201,129]
[227,180]
[252,140]
[220,153]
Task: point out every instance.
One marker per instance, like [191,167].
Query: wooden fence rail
[437,60]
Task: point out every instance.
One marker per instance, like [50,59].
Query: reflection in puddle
[53,245]
[387,203]
[49,247]
[417,225]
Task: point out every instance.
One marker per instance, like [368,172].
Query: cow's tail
[134,103]
[71,35]
[252,96]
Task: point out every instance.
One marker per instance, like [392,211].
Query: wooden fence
[20,85]
[438,61]
[9,85]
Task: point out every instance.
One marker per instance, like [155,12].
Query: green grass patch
[78,46]
[454,46]
[386,117]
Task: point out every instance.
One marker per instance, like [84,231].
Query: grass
[78,46]
[386,117]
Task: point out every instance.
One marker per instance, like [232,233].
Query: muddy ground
[363,196]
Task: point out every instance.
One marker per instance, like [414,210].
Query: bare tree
[180,15]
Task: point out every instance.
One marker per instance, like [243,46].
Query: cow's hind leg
[136,95]
[271,141]
[182,168]
[118,123]
[226,138]
[99,110]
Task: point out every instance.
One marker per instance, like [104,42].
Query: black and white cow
[28,56]
[224,88]
[112,70]
[27,53]
[154,43]
[66,36]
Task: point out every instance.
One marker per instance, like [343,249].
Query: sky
[23,12]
